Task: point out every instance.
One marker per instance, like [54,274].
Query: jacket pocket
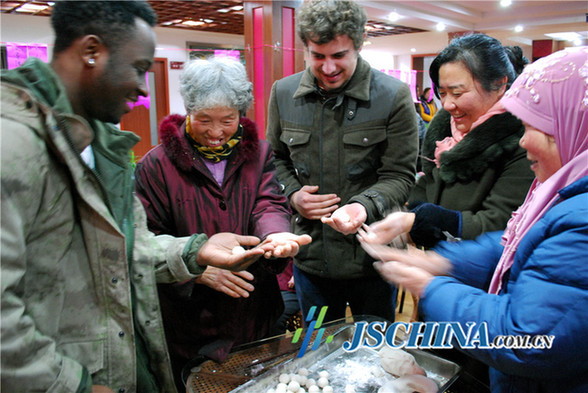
[88,353]
[365,137]
[298,142]
[362,158]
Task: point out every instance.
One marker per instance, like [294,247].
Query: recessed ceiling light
[393,16]
[223,10]
[518,28]
[413,50]
[31,8]
[207,20]
[237,8]
[193,23]
[440,26]
[171,22]
[505,3]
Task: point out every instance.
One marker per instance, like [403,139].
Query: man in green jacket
[346,142]
[80,311]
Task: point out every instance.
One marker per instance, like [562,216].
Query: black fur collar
[477,151]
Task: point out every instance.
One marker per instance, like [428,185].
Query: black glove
[431,221]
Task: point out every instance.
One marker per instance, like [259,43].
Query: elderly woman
[475,174]
[535,280]
[212,174]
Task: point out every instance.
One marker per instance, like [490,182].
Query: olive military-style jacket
[360,143]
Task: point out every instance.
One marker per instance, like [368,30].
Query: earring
[91,62]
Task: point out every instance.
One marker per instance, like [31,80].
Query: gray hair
[320,21]
[217,82]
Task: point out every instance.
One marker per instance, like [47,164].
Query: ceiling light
[193,23]
[518,28]
[393,16]
[413,50]
[207,20]
[171,22]
[223,10]
[367,42]
[577,42]
[31,8]
[237,8]
[440,26]
[505,3]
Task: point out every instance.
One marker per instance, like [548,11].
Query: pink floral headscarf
[552,96]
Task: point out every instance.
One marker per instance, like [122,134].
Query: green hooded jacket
[79,267]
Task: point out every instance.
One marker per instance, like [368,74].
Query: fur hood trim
[179,151]
[481,148]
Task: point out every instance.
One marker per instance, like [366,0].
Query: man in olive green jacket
[80,311]
[346,142]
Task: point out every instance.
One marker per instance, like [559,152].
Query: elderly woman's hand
[234,284]
[347,219]
[385,231]
[285,244]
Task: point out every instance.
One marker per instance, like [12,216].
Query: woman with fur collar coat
[475,173]
[212,174]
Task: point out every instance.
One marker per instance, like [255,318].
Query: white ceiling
[537,17]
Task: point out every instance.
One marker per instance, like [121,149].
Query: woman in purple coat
[211,173]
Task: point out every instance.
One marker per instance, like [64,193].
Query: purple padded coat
[182,197]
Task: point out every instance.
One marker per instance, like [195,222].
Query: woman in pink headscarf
[533,279]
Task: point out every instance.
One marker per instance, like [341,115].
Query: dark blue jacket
[546,294]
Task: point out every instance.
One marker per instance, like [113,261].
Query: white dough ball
[322,382]
[238,250]
[282,389]
[303,372]
[328,389]
[314,389]
[301,390]
[302,380]
[344,217]
[323,374]
[284,378]
[310,382]
[293,386]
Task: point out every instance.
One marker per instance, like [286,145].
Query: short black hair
[109,20]
[484,56]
